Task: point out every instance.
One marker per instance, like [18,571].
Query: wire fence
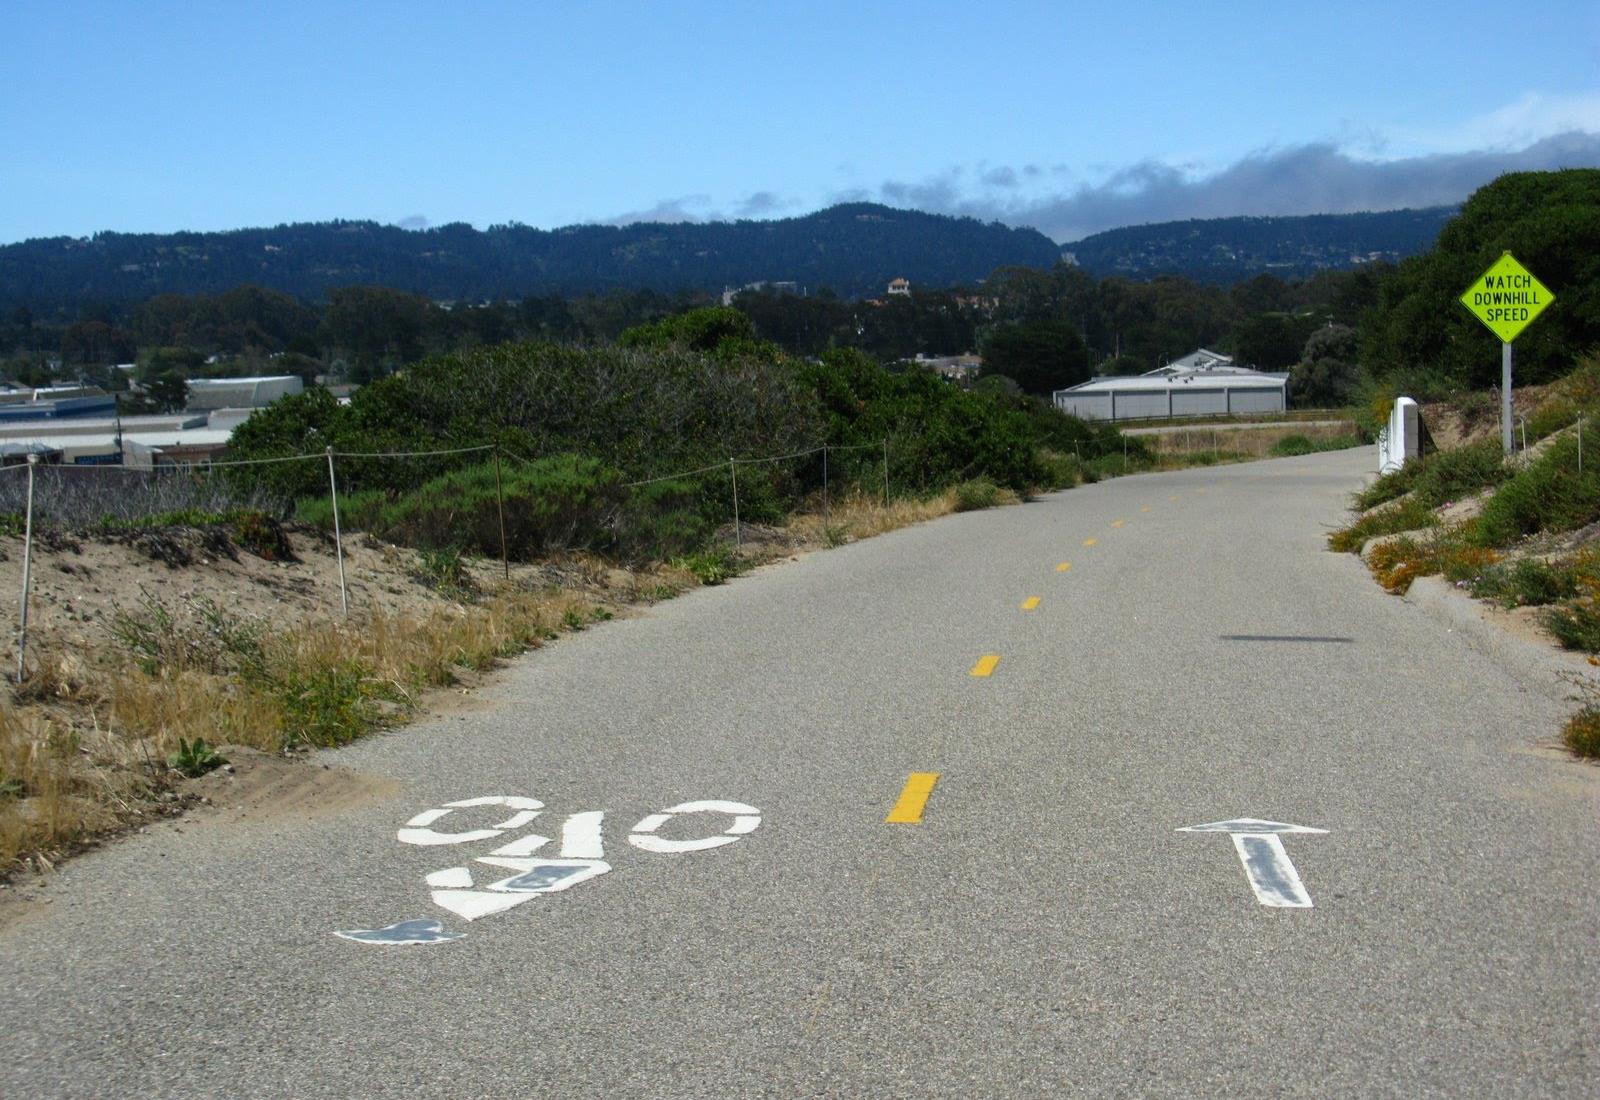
[81,496]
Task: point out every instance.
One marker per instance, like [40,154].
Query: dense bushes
[642,410]
[1549,494]
[562,502]
[685,393]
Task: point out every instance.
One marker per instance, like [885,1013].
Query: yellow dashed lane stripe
[1063,567]
[986,664]
[1030,603]
[908,811]
[1090,542]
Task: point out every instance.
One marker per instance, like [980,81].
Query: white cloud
[1526,120]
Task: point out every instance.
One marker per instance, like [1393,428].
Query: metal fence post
[338,538]
[27,567]
[886,474]
[733,474]
[824,490]
[500,507]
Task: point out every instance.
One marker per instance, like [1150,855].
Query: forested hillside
[1551,222]
[855,249]
[1227,250]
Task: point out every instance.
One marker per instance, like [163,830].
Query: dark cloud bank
[1306,179]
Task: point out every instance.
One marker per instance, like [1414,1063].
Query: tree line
[1337,332]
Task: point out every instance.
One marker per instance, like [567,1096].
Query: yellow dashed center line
[986,664]
[1172,498]
[1146,508]
[1090,542]
[1063,567]
[908,811]
[1116,523]
[1030,603]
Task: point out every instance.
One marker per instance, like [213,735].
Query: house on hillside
[900,288]
[955,368]
[1202,383]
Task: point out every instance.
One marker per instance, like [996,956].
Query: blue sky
[1068,117]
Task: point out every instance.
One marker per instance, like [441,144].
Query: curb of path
[1539,668]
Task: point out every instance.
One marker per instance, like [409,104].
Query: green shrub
[1293,445]
[1409,514]
[1387,487]
[1061,471]
[262,535]
[1546,495]
[1528,583]
[445,571]
[555,503]
[1447,476]
[1575,625]
[1439,478]
[715,565]
[1582,733]
[328,704]
[976,494]
[665,519]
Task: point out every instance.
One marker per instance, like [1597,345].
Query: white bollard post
[27,570]
[338,538]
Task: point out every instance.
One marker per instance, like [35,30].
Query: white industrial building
[1202,383]
[124,441]
[206,394]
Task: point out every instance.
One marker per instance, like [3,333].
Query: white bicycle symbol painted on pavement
[580,856]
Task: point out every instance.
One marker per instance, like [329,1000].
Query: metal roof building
[130,440]
[206,394]
[1202,383]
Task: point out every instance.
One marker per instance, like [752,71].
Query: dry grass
[860,515]
[1238,442]
[83,750]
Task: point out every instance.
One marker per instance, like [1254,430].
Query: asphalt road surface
[1036,926]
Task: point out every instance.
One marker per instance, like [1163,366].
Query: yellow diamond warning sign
[1507,297]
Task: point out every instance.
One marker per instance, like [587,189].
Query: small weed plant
[194,757]
[445,571]
[715,565]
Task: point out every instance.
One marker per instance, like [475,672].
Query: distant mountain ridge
[855,248]
[1228,250]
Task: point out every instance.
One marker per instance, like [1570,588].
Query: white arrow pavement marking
[1267,865]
